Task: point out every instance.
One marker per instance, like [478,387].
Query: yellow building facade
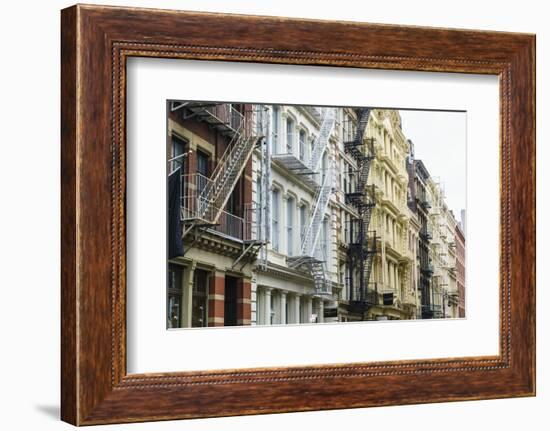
[393,266]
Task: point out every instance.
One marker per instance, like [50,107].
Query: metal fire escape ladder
[213,198]
[259,216]
[321,142]
[265,187]
[215,195]
[362,248]
[310,255]
[312,251]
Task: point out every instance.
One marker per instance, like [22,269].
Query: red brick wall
[243,188]
[460,271]
[244,295]
[216,295]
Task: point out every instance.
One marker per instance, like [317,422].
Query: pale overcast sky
[440,142]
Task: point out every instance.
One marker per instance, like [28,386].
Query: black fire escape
[362,243]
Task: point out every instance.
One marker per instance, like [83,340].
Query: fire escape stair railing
[214,196]
[309,252]
[362,249]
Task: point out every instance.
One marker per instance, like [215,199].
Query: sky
[439,139]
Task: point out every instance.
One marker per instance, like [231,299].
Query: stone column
[296,316]
[267,306]
[309,309]
[321,310]
[282,303]
[397,287]
[187,295]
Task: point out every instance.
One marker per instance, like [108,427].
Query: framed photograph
[251,205]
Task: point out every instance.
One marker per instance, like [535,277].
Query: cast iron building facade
[210,145]
[300,214]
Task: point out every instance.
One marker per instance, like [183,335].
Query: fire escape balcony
[361,199]
[357,237]
[221,116]
[312,256]
[228,225]
[360,149]
[452,297]
[427,269]
[424,203]
[232,227]
[192,186]
[363,299]
[204,198]
[295,158]
[431,311]
[426,234]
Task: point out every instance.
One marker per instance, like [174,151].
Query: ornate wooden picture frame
[96,41]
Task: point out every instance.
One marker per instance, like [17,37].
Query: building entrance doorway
[230,301]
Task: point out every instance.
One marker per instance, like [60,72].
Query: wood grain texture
[69,397]
[96,41]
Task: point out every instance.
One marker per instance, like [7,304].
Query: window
[275,220]
[347,237]
[275,131]
[259,188]
[202,170]
[174,300]
[200,296]
[178,149]
[345,176]
[230,301]
[303,221]
[289,136]
[302,154]
[324,166]
[325,240]
[202,163]
[290,226]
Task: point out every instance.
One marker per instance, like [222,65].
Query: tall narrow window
[259,213]
[303,221]
[289,136]
[202,170]
[290,226]
[345,177]
[311,147]
[347,237]
[325,239]
[275,220]
[200,296]
[178,148]
[174,300]
[275,130]
[324,166]
[230,301]
[302,145]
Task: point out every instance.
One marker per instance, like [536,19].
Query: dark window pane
[200,297]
